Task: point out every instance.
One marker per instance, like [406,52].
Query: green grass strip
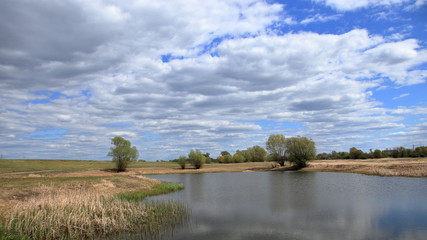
[6,235]
[162,188]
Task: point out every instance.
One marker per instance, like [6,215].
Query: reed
[381,167]
[162,188]
[88,214]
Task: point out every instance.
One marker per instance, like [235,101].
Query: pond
[300,205]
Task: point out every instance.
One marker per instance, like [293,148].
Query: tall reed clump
[162,188]
[86,215]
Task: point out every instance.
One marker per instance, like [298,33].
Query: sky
[171,76]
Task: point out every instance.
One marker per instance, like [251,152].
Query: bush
[182,160]
[196,158]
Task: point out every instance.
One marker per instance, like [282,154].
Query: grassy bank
[403,167]
[84,207]
[159,189]
[87,214]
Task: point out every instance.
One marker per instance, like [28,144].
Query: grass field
[35,165]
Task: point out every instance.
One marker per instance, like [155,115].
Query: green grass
[6,235]
[34,165]
[19,165]
[159,189]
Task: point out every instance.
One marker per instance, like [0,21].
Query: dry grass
[82,212]
[168,168]
[406,167]
[16,190]
[74,215]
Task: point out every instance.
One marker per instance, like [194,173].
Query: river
[300,205]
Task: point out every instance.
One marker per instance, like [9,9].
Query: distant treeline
[252,154]
[355,153]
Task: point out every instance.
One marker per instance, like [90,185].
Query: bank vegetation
[85,207]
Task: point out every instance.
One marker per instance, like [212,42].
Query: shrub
[196,158]
[182,160]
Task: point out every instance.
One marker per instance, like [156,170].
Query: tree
[237,158]
[122,152]
[421,151]
[196,158]
[355,153]
[300,150]
[208,159]
[182,160]
[258,154]
[227,158]
[224,153]
[377,153]
[276,146]
[247,154]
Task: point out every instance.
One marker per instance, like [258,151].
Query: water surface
[300,205]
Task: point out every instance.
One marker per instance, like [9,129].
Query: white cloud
[348,5]
[401,96]
[105,60]
[321,18]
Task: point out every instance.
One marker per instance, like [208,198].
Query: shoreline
[387,167]
[19,186]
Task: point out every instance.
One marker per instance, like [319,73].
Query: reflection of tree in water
[292,190]
[197,187]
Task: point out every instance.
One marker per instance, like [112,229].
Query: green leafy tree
[196,158]
[225,153]
[300,150]
[259,154]
[355,153]
[228,159]
[323,156]
[377,153]
[122,152]
[237,158]
[247,154]
[276,146]
[208,159]
[182,160]
[421,151]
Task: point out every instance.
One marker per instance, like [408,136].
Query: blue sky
[211,75]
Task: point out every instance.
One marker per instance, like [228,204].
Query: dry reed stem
[382,167]
[74,215]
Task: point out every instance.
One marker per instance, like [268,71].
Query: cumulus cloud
[103,66]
